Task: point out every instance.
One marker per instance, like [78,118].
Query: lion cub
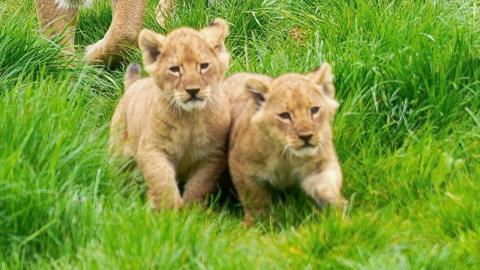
[282,136]
[175,123]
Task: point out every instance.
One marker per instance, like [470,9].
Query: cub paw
[164,203]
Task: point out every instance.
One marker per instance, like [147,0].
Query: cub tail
[132,74]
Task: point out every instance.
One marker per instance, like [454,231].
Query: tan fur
[55,21]
[164,9]
[59,16]
[122,34]
[169,136]
[267,149]
[73,3]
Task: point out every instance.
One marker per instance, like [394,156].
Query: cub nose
[193,91]
[305,137]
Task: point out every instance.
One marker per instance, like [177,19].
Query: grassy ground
[407,133]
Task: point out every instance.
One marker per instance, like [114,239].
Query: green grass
[407,134]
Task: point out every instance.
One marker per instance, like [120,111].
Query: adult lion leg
[163,10]
[126,24]
[55,21]
[203,181]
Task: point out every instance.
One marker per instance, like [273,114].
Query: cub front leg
[254,197]
[203,181]
[159,174]
[325,187]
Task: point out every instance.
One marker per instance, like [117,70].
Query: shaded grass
[407,133]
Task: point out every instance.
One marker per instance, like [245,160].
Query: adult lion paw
[102,53]
[95,53]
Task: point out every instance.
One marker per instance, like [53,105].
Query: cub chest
[195,145]
[279,173]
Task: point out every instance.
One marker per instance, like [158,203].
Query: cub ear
[151,45]
[216,33]
[257,90]
[323,77]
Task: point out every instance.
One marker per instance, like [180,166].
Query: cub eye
[314,110]
[204,67]
[174,69]
[285,116]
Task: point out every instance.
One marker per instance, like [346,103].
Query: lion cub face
[186,63]
[295,110]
